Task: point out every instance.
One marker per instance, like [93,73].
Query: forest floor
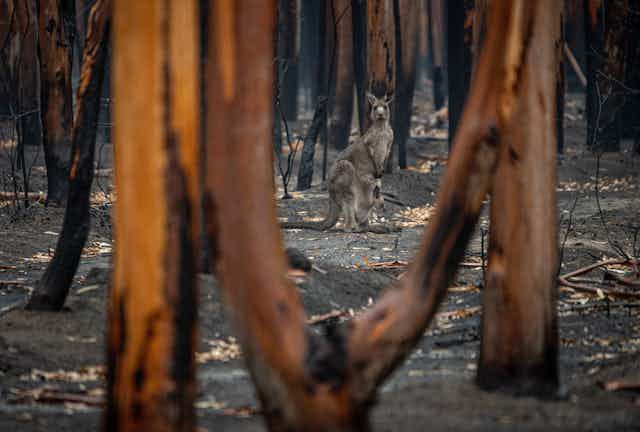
[52,371]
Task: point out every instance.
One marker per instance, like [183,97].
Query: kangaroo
[354,178]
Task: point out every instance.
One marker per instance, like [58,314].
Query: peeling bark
[519,326]
[152,312]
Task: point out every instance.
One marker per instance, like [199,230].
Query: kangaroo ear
[389,98]
[371,98]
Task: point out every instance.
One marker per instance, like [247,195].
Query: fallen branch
[597,291]
[565,279]
[334,314]
[388,198]
[574,65]
[628,384]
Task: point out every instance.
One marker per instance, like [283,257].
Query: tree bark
[460,31]
[359,19]
[380,51]
[318,383]
[288,57]
[153,299]
[20,76]
[437,50]
[406,14]
[55,19]
[519,325]
[341,91]
[305,170]
[52,289]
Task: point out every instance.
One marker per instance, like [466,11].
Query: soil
[45,357]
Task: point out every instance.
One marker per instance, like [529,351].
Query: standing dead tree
[460,15]
[52,288]
[608,28]
[152,312]
[341,90]
[436,45]
[20,85]
[519,333]
[55,18]
[406,14]
[318,383]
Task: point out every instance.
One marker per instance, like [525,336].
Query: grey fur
[354,178]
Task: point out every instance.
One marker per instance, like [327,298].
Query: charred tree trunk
[288,57]
[381,58]
[519,325]
[51,291]
[29,76]
[359,17]
[437,50]
[20,73]
[406,14]
[55,19]
[631,111]
[318,383]
[459,42]
[607,30]
[153,309]
[305,171]
[341,91]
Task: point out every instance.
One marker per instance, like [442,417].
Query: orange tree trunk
[519,330]
[152,311]
[380,50]
[342,76]
[55,18]
[308,382]
[51,290]
[459,42]
[406,14]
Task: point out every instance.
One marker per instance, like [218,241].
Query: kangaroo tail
[329,221]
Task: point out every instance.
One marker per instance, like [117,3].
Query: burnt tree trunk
[305,381]
[341,91]
[459,43]
[305,170]
[406,14]
[380,51]
[437,51]
[55,19]
[30,123]
[288,57]
[381,57]
[153,297]
[52,289]
[519,324]
[359,19]
[607,30]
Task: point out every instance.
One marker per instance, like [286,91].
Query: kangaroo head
[379,107]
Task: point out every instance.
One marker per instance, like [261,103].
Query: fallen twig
[334,314]
[622,384]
